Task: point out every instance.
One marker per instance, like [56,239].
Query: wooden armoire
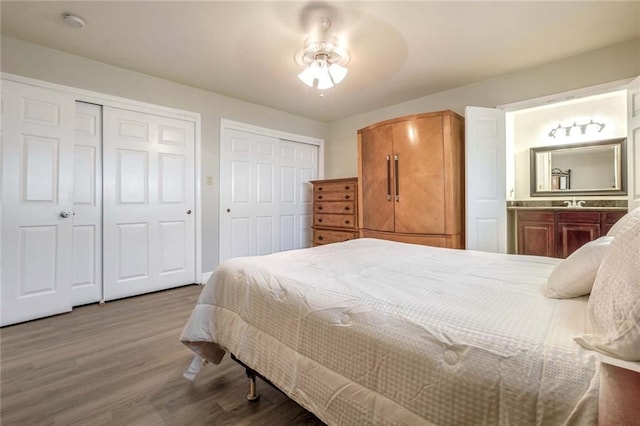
[412,181]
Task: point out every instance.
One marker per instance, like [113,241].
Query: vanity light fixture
[583,128]
[322,58]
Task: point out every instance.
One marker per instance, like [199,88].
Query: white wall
[30,60]
[531,129]
[606,65]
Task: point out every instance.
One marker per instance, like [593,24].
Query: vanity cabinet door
[575,229]
[536,233]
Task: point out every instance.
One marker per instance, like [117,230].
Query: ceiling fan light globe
[338,73]
[324,82]
[308,75]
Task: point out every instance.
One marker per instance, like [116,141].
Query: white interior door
[37,187]
[149,233]
[486,204]
[633,142]
[86,275]
[298,165]
[248,170]
[265,194]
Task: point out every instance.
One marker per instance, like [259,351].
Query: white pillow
[574,276]
[613,312]
[625,222]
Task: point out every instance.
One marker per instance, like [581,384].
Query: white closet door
[298,165]
[486,204]
[633,142]
[149,241]
[265,195]
[249,172]
[86,276]
[37,187]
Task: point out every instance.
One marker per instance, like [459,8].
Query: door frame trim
[226,125]
[98,98]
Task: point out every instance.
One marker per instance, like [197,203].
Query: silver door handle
[65,214]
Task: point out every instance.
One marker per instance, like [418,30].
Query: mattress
[378,332]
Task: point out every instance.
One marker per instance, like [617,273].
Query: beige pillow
[613,321]
[625,222]
[574,276]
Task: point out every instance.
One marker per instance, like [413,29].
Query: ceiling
[399,50]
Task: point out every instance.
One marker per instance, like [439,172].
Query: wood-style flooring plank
[122,364]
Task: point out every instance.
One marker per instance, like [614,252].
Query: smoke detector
[73,20]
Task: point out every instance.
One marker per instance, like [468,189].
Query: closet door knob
[65,214]
[188,211]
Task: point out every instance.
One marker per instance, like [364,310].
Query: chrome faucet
[574,203]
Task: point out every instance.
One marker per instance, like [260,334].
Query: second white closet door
[148,203]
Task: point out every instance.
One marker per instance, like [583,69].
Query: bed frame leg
[252,396]
[194,368]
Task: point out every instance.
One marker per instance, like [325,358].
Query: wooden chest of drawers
[335,210]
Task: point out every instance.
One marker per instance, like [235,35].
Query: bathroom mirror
[592,168]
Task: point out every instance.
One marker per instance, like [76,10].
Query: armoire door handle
[395,158]
[388,178]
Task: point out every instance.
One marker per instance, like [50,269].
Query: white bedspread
[377,332]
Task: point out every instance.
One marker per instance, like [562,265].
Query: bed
[377,332]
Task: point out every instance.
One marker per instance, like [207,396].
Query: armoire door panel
[377,179]
[418,146]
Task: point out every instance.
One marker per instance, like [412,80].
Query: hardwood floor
[122,364]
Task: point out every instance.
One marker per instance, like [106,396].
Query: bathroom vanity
[559,231]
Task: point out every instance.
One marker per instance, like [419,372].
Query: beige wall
[590,69]
[29,60]
[21,58]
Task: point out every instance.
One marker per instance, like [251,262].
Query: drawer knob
[347,221]
[319,188]
[319,207]
[347,187]
[319,197]
[320,220]
[320,237]
[347,196]
[347,208]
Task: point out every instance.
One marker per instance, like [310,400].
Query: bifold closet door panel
[86,270]
[149,241]
[37,188]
